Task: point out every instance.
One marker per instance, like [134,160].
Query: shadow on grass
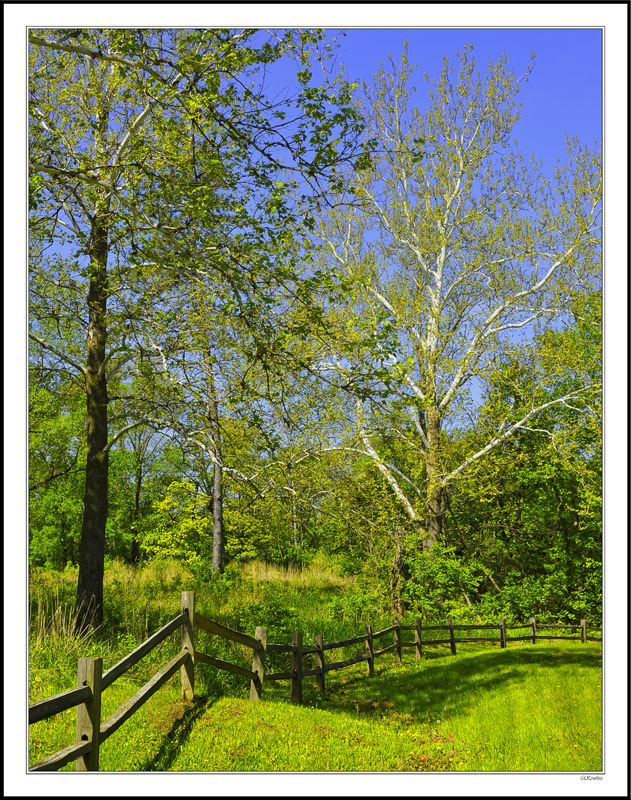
[441,685]
[182,718]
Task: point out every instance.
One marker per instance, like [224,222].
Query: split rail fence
[91,733]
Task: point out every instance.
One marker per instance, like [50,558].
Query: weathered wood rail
[92,681]
[91,732]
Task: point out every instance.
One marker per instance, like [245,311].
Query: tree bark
[217,503]
[294,518]
[435,517]
[92,552]
[218,537]
[396,573]
[135,550]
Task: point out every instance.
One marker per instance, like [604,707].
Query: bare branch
[57,352]
[516,426]
[35,166]
[405,478]
[418,426]
[79,49]
[123,431]
[383,469]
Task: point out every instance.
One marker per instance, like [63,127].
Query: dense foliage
[310,327]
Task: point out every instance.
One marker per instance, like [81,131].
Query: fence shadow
[177,735]
[441,686]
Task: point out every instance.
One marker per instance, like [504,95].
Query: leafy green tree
[140,471]
[442,583]
[56,467]
[530,514]
[120,121]
[460,250]
[179,526]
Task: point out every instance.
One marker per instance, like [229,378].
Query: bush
[437,581]
[365,602]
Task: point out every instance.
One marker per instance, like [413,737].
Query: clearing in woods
[527,708]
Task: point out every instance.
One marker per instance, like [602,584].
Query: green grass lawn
[525,708]
[528,708]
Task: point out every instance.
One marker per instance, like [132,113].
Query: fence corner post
[187,670]
[533,630]
[296,668]
[319,642]
[370,660]
[258,664]
[89,671]
[502,633]
[417,637]
[452,643]
[397,639]
[583,631]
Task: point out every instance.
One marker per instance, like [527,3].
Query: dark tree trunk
[396,573]
[294,518]
[213,419]
[135,550]
[92,552]
[435,517]
[218,538]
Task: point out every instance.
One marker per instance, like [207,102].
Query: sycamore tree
[128,132]
[460,251]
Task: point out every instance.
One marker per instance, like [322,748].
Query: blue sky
[563,94]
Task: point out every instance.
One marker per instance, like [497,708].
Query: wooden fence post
[502,633]
[89,671]
[296,667]
[187,670]
[397,639]
[583,631]
[452,644]
[258,664]
[319,642]
[533,629]
[417,637]
[370,661]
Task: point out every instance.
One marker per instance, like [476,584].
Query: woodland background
[321,322]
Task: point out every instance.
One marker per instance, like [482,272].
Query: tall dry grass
[137,600]
[317,575]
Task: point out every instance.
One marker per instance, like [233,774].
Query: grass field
[524,708]
[529,709]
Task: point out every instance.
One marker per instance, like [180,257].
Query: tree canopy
[268,325]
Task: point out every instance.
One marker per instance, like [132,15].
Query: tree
[119,120]
[460,251]
[56,469]
[137,480]
[530,514]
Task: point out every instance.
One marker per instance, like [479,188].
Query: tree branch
[58,353]
[383,469]
[123,431]
[516,426]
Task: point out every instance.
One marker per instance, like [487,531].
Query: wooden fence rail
[142,650]
[44,709]
[92,682]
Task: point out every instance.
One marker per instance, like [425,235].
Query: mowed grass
[236,734]
[532,708]
[127,749]
[526,708]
